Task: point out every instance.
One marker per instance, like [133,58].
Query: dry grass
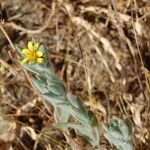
[101,50]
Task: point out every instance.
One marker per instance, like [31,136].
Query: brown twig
[29,31]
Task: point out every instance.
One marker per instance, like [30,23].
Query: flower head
[32,53]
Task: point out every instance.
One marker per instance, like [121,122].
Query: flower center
[32,55]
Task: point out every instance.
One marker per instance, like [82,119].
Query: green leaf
[80,129]
[129,125]
[39,85]
[114,125]
[62,115]
[80,115]
[78,108]
[83,131]
[42,48]
[125,132]
[42,79]
[118,134]
[54,79]
[39,68]
[36,68]
[76,102]
[33,40]
[93,119]
[119,143]
[19,49]
[57,89]
[54,98]
[95,127]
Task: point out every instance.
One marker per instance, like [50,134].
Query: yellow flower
[32,54]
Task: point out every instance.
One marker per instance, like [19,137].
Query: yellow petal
[25,51]
[40,60]
[30,46]
[24,60]
[39,53]
[36,46]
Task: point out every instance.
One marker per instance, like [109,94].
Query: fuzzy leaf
[39,85]
[118,134]
[36,68]
[121,145]
[42,80]
[79,128]
[40,68]
[19,49]
[76,102]
[54,79]
[62,115]
[125,132]
[93,119]
[80,115]
[57,89]
[129,125]
[54,98]
[85,132]
[33,40]
[42,48]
